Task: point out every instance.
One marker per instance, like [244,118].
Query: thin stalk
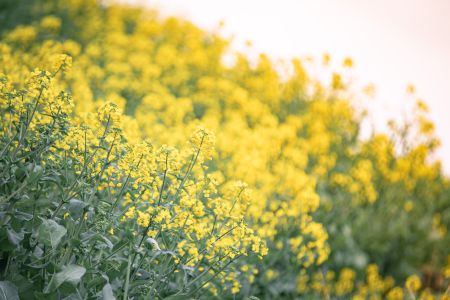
[127,279]
[88,161]
[105,163]
[123,187]
[7,266]
[22,136]
[200,253]
[215,275]
[110,255]
[191,165]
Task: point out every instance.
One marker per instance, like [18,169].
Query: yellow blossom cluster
[164,194]
[346,285]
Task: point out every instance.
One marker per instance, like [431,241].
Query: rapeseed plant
[135,164]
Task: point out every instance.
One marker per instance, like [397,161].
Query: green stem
[22,136]
[88,161]
[190,167]
[127,280]
[214,276]
[107,257]
[7,266]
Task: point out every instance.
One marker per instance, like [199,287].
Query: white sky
[392,42]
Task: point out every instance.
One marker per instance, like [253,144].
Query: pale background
[393,43]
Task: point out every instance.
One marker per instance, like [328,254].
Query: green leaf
[51,233]
[71,274]
[95,282]
[24,286]
[8,291]
[90,237]
[14,237]
[23,216]
[107,292]
[73,297]
[76,208]
[44,296]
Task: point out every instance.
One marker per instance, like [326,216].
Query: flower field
[136,164]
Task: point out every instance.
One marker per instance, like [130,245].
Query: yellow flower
[408,206]
[51,23]
[395,294]
[143,219]
[348,62]
[413,283]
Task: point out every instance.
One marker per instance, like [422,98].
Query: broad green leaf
[76,208]
[24,286]
[107,292]
[14,237]
[71,274]
[95,282]
[73,297]
[154,243]
[51,233]
[38,252]
[90,237]
[45,296]
[23,216]
[8,291]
